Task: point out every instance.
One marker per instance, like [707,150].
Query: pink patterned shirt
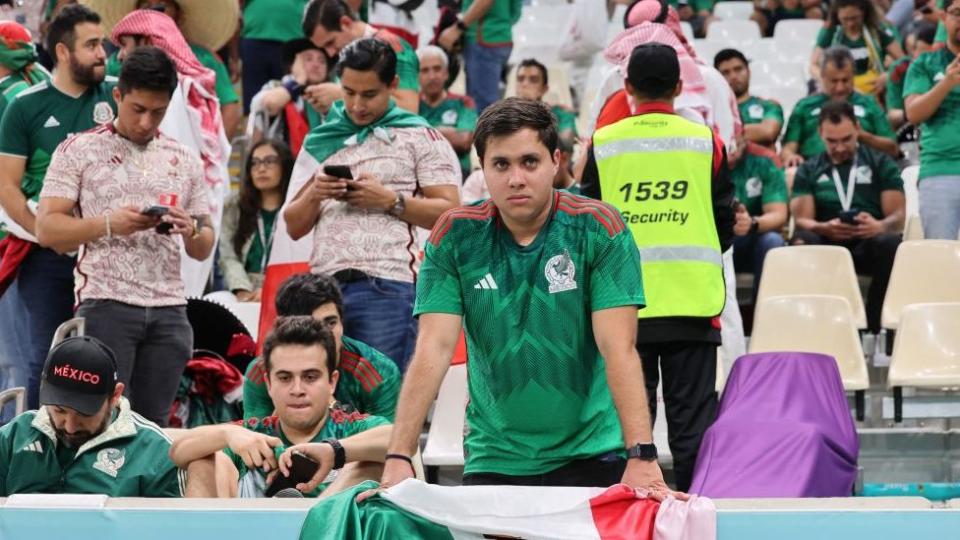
[103,171]
[374,241]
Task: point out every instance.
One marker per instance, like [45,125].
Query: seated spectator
[96,196]
[933,104]
[533,84]
[801,140]
[280,110]
[767,13]
[369,381]
[762,211]
[919,41]
[851,196]
[85,438]
[332,25]
[762,118]
[299,356]
[874,44]
[475,188]
[454,116]
[265,28]
[405,175]
[699,13]
[192,17]
[249,218]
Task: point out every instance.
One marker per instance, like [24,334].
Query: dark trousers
[45,286]
[871,257]
[600,471]
[262,62]
[152,346]
[689,393]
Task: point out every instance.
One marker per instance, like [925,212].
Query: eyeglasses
[269,161]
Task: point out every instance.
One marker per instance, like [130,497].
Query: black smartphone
[338,171]
[849,216]
[301,471]
[155,210]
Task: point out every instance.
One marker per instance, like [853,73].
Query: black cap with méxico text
[80,373]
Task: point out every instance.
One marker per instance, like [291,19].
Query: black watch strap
[339,454]
[754,225]
[644,452]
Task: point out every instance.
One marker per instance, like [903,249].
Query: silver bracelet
[106,215]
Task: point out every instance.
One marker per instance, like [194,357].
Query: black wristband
[339,454]
[294,88]
[401,457]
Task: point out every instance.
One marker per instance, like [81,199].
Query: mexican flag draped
[414,509]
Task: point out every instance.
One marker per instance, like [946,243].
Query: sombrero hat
[208,23]
[217,329]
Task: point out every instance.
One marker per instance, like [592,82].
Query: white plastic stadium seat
[913,229]
[815,323]
[793,50]
[733,30]
[808,270]
[787,97]
[923,271]
[445,440]
[733,10]
[18,395]
[804,30]
[552,15]
[687,29]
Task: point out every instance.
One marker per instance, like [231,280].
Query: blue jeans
[484,66]
[940,207]
[749,252]
[13,329]
[45,286]
[379,312]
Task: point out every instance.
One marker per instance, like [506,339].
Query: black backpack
[404,5]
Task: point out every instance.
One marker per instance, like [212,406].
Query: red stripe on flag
[619,514]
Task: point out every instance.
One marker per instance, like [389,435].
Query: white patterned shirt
[103,171]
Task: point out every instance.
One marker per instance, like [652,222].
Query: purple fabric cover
[784,430]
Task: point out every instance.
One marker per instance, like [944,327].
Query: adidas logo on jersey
[33,447]
[51,122]
[486,283]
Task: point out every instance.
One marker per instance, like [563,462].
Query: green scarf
[20,60]
[337,129]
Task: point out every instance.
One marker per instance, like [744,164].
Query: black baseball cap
[80,373]
[296,46]
[653,68]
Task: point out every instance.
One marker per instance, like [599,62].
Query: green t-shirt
[756,110]
[566,120]
[939,135]
[340,424]
[804,124]
[42,117]
[896,76]
[369,382]
[456,112]
[876,173]
[758,181]
[538,395]
[10,87]
[495,29]
[696,5]
[273,20]
[129,459]
[832,36]
[255,260]
[226,93]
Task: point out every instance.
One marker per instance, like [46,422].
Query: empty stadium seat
[559,92]
[913,228]
[804,30]
[927,352]
[923,271]
[706,49]
[687,30]
[445,440]
[733,10]
[793,50]
[818,324]
[553,14]
[783,74]
[806,270]
[787,97]
[733,31]
[18,395]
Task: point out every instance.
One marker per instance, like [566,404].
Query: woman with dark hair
[856,25]
[249,218]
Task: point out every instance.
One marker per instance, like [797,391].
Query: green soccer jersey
[833,36]
[495,29]
[42,117]
[369,381]
[457,112]
[226,93]
[537,387]
[939,140]
[758,180]
[340,424]
[876,173]
[10,87]
[756,110]
[129,459]
[804,124]
[896,76]
[566,121]
[273,20]
[408,65]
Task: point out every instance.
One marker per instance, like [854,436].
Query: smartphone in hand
[849,216]
[155,211]
[338,171]
[301,472]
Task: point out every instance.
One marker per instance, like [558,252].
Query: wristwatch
[399,206]
[460,24]
[754,225]
[196,227]
[339,454]
[643,452]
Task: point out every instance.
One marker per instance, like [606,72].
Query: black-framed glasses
[269,161]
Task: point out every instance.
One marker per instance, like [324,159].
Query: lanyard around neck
[265,243]
[846,197]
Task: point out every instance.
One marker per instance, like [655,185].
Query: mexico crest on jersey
[102,113]
[561,273]
[109,461]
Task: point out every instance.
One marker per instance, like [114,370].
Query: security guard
[668,177]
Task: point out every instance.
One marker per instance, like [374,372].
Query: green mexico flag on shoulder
[338,130]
